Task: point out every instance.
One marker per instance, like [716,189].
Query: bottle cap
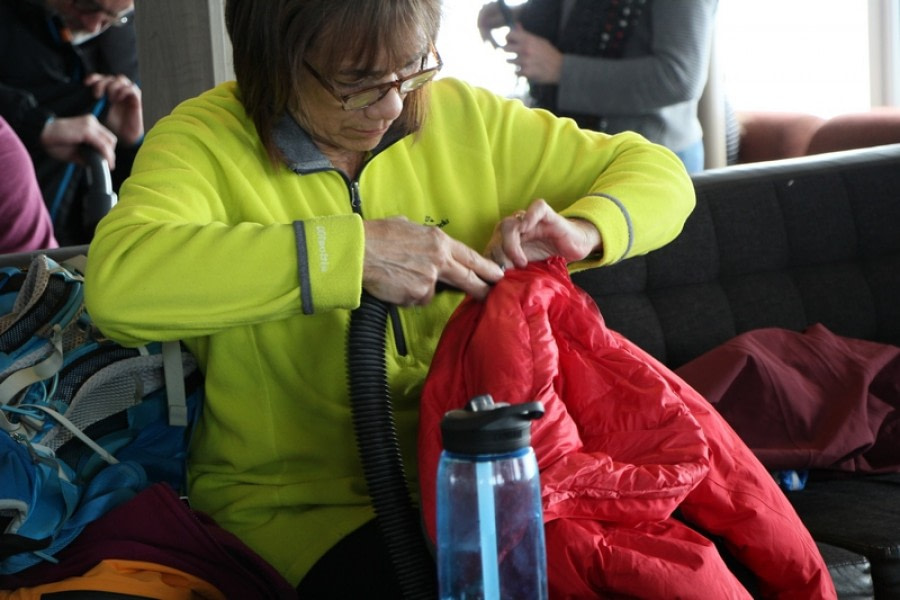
[484,427]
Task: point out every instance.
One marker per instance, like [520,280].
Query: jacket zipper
[396,326]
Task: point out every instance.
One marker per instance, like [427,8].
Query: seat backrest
[21,260]
[773,135]
[778,244]
[857,130]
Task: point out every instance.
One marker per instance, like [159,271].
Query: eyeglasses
[368,96]
[90,7]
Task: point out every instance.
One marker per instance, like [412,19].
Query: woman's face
[321,113]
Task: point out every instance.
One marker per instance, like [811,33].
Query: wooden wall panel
[183,50]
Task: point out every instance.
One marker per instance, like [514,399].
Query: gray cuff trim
[628,222]
[303,268]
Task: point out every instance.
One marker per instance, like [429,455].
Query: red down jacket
[622,444]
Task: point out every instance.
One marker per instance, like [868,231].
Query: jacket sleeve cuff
[32,125]
[611,218]
[330,253]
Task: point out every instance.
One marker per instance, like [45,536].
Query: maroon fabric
[156,526]
[807,400]
[24,221]
[623,442]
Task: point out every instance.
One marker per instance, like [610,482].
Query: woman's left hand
[539,233]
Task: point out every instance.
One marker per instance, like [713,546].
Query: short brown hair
[271,38]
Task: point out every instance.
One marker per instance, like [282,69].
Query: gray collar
[300,152]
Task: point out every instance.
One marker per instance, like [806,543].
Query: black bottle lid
[484,427]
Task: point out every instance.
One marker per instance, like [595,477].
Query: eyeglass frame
[384,88]
[89,7]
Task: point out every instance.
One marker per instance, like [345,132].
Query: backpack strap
[44,369]
[65,422]
[76,264]
[173,370]
[37,289]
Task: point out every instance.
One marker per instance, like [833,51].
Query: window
[818,56]
[467,57]
[802,55]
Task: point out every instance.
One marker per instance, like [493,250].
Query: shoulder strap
[173,370]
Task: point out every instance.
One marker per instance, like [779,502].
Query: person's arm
[636,194]
[26,222]
[24,115]
[674,72]
[208,235]
[60,137]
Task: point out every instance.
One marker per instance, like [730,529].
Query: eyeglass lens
[370,96]
[93,7]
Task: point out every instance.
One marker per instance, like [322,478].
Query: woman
[615,65]
[259,212]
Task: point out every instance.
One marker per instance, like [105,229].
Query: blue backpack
[85,423]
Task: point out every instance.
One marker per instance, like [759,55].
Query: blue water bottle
[490,529]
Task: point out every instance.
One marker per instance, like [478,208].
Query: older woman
[258,213]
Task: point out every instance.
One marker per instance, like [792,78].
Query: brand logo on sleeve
[323,250]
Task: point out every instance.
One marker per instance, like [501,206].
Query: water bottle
[490,529]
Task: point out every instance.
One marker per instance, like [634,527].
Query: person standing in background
[614,65]
[67,79]
[24,222]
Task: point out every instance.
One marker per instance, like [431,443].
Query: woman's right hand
[404,262]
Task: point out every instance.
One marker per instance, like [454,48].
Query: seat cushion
[850,572]
[860,514]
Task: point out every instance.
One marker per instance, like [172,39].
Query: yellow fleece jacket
[257,269]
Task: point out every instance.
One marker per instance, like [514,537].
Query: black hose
[100,197]
[379,451]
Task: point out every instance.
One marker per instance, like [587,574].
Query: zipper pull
[355,199]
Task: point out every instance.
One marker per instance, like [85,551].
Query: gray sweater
[655,87]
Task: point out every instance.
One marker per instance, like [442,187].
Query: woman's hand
[539,233]
[404,262]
